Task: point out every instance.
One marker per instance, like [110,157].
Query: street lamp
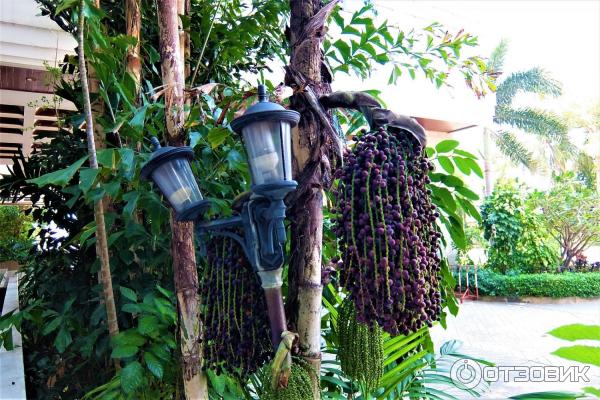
[170,169]
[266,131]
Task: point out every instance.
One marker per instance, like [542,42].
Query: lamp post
[266,131]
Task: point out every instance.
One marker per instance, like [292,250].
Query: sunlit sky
[562,37]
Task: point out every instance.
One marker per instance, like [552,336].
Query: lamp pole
[266,131]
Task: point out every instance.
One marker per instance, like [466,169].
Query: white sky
[562,37]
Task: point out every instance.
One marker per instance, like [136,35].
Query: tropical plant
[571,213]
[518,238]
[63,319]
[511,122]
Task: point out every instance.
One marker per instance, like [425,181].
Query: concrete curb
[12,375]
[538,300]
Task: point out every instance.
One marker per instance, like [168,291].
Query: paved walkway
[515,334]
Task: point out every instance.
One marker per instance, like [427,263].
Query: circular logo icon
[465,373]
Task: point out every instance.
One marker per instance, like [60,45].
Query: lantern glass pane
[268,147]
[177,183]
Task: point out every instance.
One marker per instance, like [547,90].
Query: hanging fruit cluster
[386,225]
[236,324]
[361,348]
[299,385]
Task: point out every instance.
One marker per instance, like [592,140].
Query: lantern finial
[262,94]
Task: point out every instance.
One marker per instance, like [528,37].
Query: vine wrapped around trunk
[387,232]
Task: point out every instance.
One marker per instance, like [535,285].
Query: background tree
[518,238]
[547,127]
[571,213]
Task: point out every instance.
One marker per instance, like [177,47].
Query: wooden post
[182,244]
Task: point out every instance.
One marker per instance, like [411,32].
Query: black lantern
[266,129]
[169,168]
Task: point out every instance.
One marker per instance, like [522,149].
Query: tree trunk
[487,165]
[312,149]
[182,245]
[133,26]
[101,239]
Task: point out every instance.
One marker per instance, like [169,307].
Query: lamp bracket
[262,221]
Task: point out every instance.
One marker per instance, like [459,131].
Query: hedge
[567,284]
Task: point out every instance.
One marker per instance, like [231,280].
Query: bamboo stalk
[101,239]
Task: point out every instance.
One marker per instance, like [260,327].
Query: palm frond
[531,120]
[496,61]
[535,80]
[510,146]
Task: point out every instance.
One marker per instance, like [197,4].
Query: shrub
[14,232]
[518,239]
[538,285]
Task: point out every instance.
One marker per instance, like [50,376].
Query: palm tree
[510,121]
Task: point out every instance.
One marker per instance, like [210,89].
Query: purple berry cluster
[236,324]
[386,227]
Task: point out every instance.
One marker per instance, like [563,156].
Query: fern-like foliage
[496,60]
[531,120]
[534,80]
[510,146]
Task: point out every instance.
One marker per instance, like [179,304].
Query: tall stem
[311,167]
[101,240]
[182,233]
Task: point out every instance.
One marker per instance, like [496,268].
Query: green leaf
[132,377]
[107,158]
[577,332]
[154,365]
[473,166]
[462,165]
[61,177]
[592,390]
[547,396]
[87,177]
[128,293]
[124,351]
[131,198]
[65,5]
[465,154]
[452,181]
[129,337]
[52,325]
[63,339]
[137,122]
[216,136]
[446,146]
[147,324]
[468,193]
[343,48]
[580,353]
[446,164]
[131,308]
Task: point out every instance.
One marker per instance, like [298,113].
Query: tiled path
[515,334]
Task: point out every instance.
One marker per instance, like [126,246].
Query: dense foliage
[63,322]
[538,285]
[518,236]
[511,119]
[15,226]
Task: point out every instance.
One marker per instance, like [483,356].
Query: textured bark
[182,245]
[313,145]
[101,239]
[133,26]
